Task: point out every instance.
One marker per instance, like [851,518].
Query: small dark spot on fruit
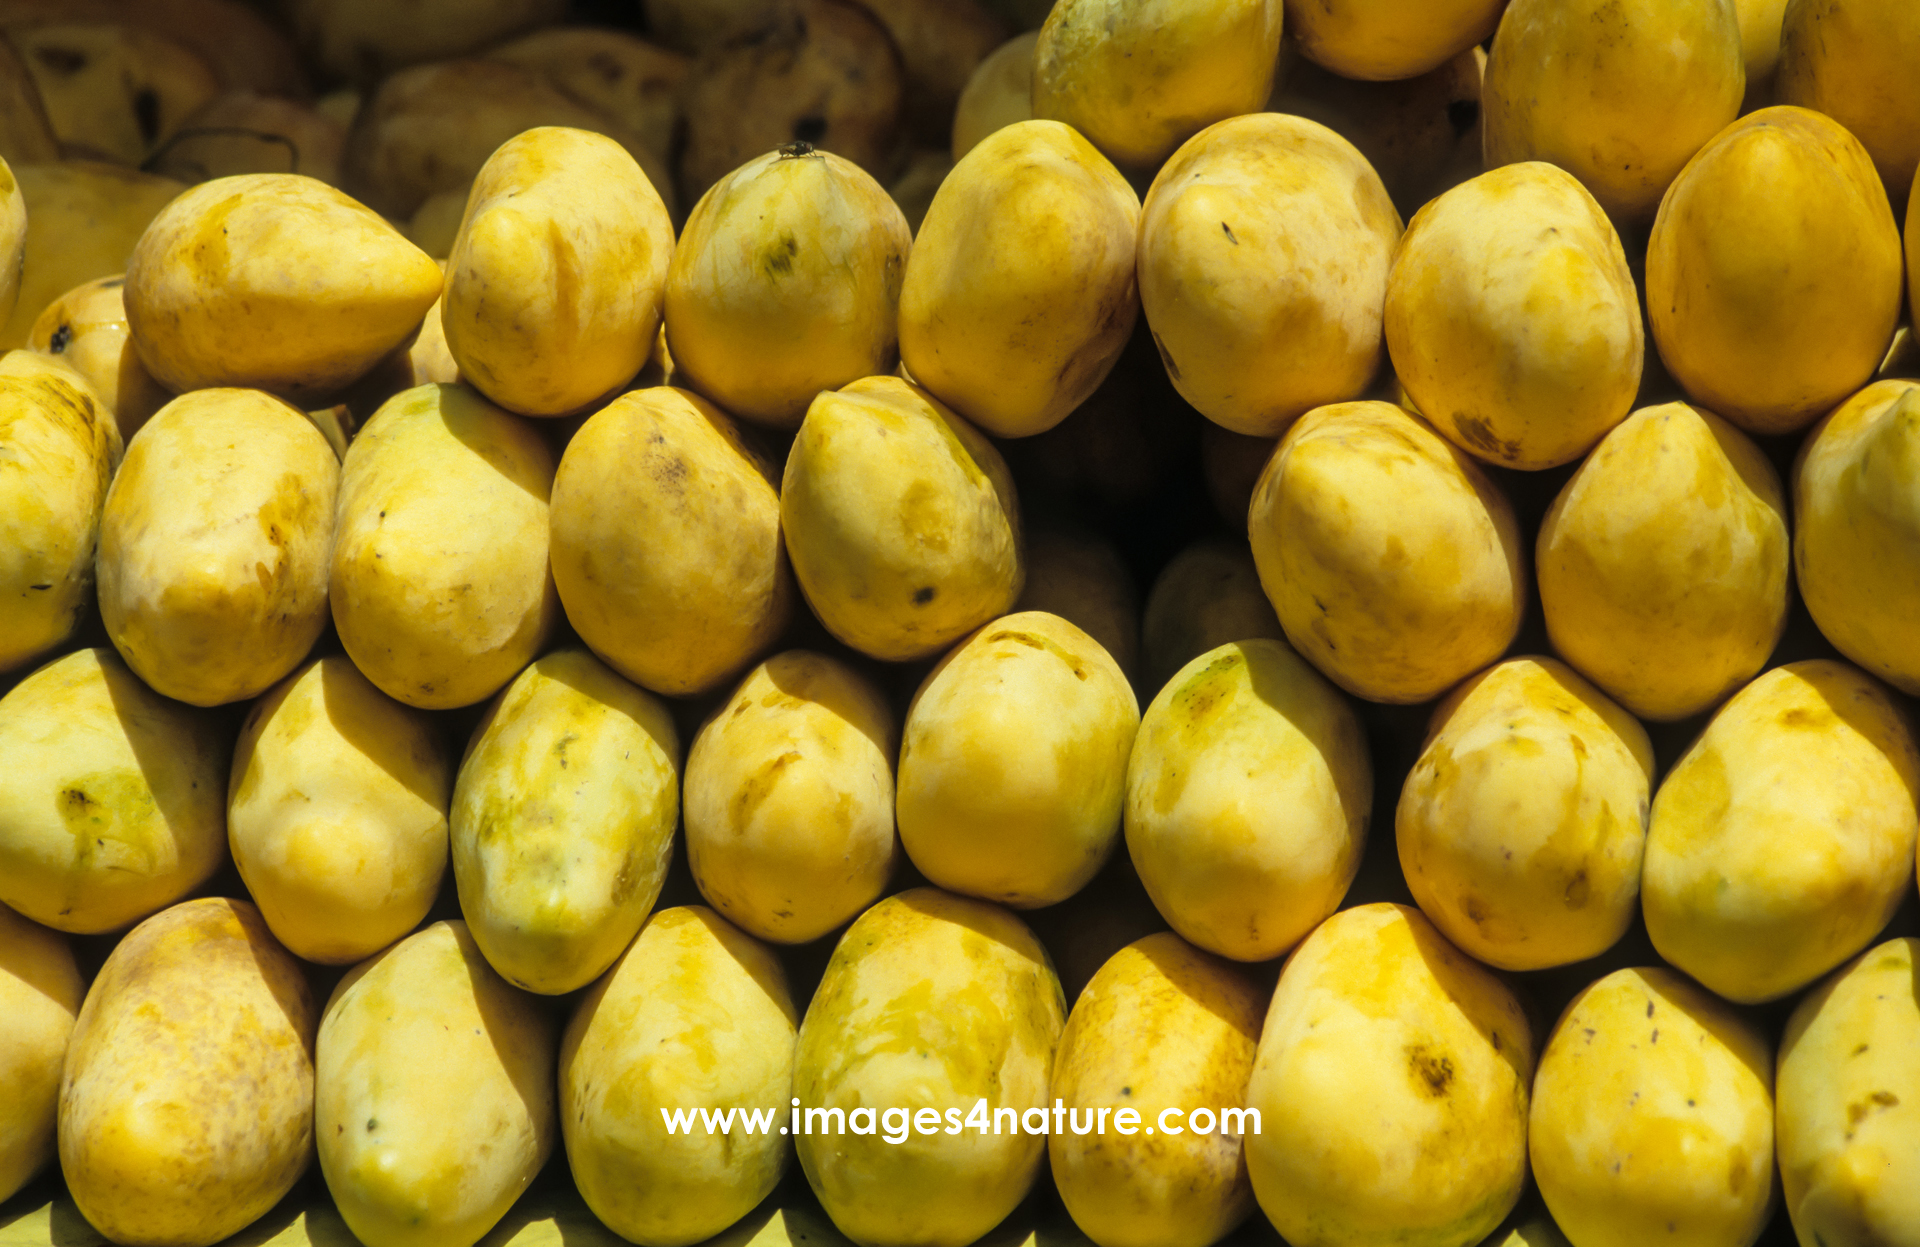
[923,595]
[60,340]
[1228,231]
[1461,114]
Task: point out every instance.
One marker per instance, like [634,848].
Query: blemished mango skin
[1853,60]
[1019,294]
[1856,502]
[1013,762]
[901,520]
[1522,824]
[440,586]
[667,549]
[1249,790]
[272,281]
[1253,335]
[86,329]
[337,812]
[1378,42]
[562,821]
[1391,1079]
[695,1015]
[1620,96]
[1846,1103]
[422,1050]
[1512,318]
[62,450]
[1653,1108]
[1393,563]
[1663,562]
[931,1002]
[40,994]
[110,803]
[1773,271]
[554,281]
[1161,1025]
[1784,839]
[215,544]
[789,799]
[1206,595]
[186,1101]
[786,282]
[1139,79]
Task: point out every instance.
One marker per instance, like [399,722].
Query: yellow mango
[1013,762]
[1773,272]
[1166,1031]
[562,821]
[1252,331]
[1019,294]
[937,1008]
[366,39]
[1081,577]
[337,813]
[1248,794]
[214,543]
[789,799]
[1140,79]
[272,281]
[13,239]
[1856,538]
[666,542]
[901,520]
[110,802]
[1847,1097]
[621,75]
[113,90]
[40,994]
[555,278]
[1652,1117]
[998,93]
[1393,563]
[1620,96]
[246,131]
[1391,1080]
[25,135]
[433,1093]
[1760,22]
[440,588]
[1512,319]
[786,282]
[695,1018]
[86,329]
[1853,60]
[1522,824]
[186,1102]
[1784,838]
[1663,562]
[1374,41]
[61,451]
[1206,595]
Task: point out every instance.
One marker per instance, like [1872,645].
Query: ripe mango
[86,329]
[1853,60]
[1206,595]
[13,240]
[1377,42]
[40,994]
[1081,577]
[997,94]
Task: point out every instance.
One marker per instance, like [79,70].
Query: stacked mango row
[495,666]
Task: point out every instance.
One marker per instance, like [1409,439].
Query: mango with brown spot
[86,328]
[40,994]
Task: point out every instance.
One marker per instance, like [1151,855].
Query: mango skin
[562,821]
[1013,762]
[789,799]
[1856,521]
[1382,42]
[337,812]
[215,542]
[1512,318]
[40,994]
[901,520]
[1853,60]
[13,240]
[1206,595]
[186,1101]
[1784,839]
[1393,563]
[110,804]
[423,1050]
[554,281]
[1522,824]
[1663,562]
[1250,334]
[1160,1025]
[1392,1079]
[1630,1134]
[272,281]
[930,1001]
[86,329]
[1019,293]
[62,450]
[1249,789]
[440,586]
[998,93]
[666,542]
[694,1015]
[1846,1098]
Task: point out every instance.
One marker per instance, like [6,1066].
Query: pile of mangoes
[569,583]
